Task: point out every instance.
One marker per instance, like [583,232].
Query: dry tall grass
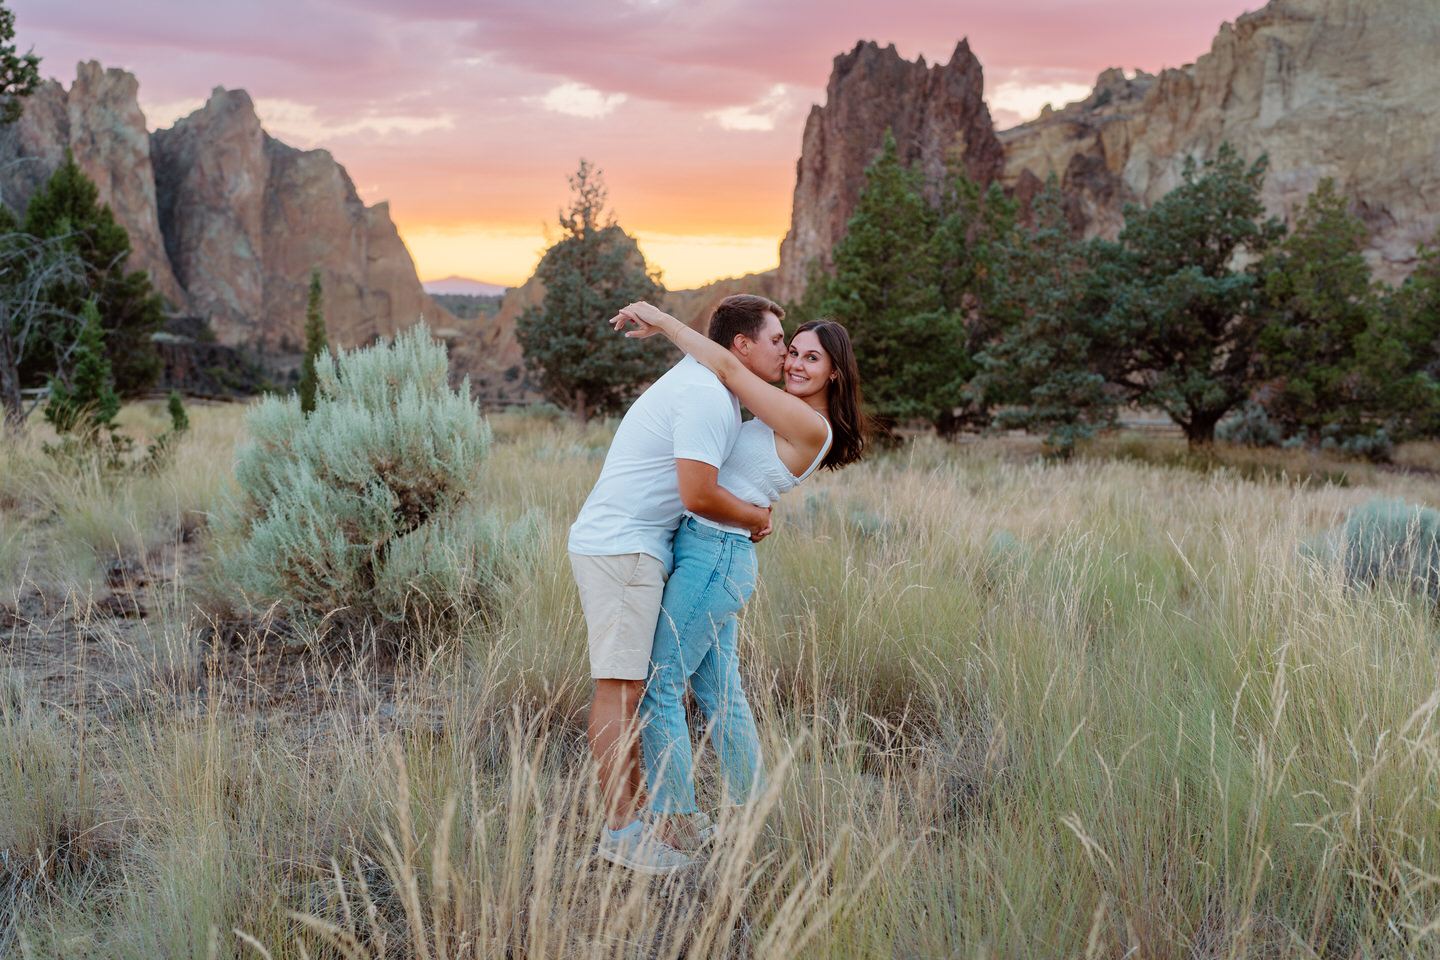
[1011,708]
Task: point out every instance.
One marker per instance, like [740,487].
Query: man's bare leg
[614,733]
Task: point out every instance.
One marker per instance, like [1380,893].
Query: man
[663,462]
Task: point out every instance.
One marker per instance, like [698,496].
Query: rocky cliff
[936,114]
[1325,88]
[213,173]
[227,220]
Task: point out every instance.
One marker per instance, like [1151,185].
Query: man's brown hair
[744,313]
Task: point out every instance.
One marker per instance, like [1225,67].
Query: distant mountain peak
[465,286]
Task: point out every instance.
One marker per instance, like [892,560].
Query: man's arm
[703,496]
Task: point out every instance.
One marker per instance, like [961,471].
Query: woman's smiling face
[808,369]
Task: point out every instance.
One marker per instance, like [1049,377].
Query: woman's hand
[637,314]
[757,535]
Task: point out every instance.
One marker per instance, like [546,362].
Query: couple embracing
[663,553]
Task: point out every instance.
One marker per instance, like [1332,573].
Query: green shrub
[83,410]
[1378,445]
[159,454]
[359,515]
[1250,426]
[1389,540]
[179,419]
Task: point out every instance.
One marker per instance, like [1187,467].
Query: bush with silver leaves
[359,515]
[1391,541]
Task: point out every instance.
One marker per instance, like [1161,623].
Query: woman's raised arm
[790,417]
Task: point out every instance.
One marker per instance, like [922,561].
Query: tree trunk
[10,397]
[1200,430]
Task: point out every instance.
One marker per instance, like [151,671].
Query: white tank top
[754,471]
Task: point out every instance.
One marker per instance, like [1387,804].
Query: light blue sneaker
[636,846]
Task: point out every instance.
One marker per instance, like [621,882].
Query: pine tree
[19,73]
[1190,317]
[595,269]
[130,310]
[901,277]
[316,343]
[87,404]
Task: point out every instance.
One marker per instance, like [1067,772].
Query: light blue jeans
[696,641]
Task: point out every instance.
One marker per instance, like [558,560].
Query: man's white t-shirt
[635,506]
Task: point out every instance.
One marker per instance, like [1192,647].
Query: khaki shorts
[621,599]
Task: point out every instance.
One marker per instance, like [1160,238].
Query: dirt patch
[136,643]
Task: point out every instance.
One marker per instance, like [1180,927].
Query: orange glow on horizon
[508,255]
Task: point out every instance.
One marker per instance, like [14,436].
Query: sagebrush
[362,514]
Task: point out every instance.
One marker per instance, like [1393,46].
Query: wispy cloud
[164,113]
[1015,101]
[304,124]
[578,100]
[761,115]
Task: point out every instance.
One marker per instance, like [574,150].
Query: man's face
[766,357]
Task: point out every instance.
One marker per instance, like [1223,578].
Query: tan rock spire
[212,174]
[99,120]
[934,112]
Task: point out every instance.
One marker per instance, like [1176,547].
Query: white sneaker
[705,828]
[637,847]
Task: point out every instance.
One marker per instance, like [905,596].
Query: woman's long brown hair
[848,424]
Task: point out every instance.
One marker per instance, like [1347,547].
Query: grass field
[1117,707]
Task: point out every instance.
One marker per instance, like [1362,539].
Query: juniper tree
[130,310]
[179,424]
[882,278]
[316,343]
[1047,364]
[158,452]
[593,271]
[1322,305]
[179,419]
[1190,316]
[1400,353]
[19,77]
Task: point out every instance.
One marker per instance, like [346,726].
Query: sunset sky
[468,116]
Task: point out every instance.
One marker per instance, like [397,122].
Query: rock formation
[936,114]
[211,177]
[489,354]
[1325,88]
[227,220]
[100,121]
[314,218]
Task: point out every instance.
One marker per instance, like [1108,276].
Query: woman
[815,421]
